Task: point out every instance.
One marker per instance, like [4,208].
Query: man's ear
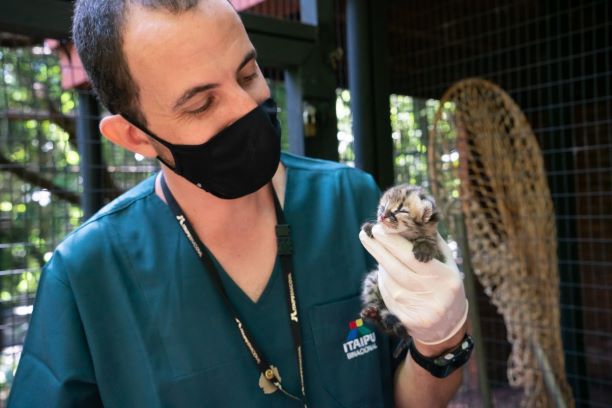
[121,132]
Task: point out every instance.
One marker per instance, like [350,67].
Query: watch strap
[447,362]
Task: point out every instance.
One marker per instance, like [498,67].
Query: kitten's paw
[400,331]
[393,325]
[424,251]
[367,228]
[370,313]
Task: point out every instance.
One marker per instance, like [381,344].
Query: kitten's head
[407,210]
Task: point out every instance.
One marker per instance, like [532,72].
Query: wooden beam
[36,18]
[279,28]
[279,52]
[279,43]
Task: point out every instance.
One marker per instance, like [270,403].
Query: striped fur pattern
[376,312]
[411,212]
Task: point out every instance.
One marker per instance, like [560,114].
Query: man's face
[196,71]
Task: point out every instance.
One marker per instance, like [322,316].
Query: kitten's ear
[427,210]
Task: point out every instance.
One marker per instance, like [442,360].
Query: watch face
[455,356]
[445,359]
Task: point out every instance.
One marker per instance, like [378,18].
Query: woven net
[485,164]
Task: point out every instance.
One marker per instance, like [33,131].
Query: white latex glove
[427,297]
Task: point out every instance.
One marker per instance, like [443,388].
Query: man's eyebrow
[191,92]
[251,55]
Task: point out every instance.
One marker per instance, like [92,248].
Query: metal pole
[360,79]
[470,289]
[88,142]
[311,87]
[380,104]
[295,124]
[293,88]
[549,379]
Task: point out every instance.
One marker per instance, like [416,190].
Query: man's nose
[239,104]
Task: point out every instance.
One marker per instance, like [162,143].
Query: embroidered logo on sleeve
[360,340]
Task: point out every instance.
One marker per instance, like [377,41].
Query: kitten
[410,212]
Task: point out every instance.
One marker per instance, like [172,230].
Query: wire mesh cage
[552,57]
[41,173]
[482,140]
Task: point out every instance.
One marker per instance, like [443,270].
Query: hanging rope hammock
[486,166]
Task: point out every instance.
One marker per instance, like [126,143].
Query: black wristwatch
[446,363]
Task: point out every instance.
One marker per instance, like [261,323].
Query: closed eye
[202,108]
[249,78]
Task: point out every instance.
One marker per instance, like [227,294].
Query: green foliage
[277,90]
[30,87]
[410,118]
[33,111]
[346,150]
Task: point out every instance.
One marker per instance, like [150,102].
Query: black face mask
[237,161]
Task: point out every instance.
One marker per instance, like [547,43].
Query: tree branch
[66,122]
[17,41]
[34,178]
[111,190]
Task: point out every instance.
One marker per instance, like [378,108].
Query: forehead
[167,52]
[396,193]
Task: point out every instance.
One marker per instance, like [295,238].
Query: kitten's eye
[402,212]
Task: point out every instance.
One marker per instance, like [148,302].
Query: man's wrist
[434,350]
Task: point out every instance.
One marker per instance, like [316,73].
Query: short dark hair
[97,31]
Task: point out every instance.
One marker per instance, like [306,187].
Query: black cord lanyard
[285,250]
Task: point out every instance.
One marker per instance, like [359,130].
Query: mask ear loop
[144,129]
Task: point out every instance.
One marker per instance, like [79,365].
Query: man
[184,292]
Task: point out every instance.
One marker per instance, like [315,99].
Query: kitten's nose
[387,217]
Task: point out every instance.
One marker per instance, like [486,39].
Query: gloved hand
[427,297]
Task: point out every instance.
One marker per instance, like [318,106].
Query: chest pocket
[349,354]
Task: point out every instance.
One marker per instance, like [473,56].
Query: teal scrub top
[126,316]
